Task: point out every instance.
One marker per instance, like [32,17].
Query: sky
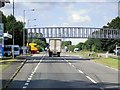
[82,13]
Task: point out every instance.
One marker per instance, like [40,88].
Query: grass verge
[114,63]
[110,62]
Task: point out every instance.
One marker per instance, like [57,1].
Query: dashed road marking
[30,77]
[91,79]
[70,63]
[24,86]
[28,81]
[32,74]
[80,71]
[73,66]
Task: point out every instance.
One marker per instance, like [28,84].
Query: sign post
[1,40]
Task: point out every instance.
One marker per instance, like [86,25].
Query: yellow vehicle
[32,47]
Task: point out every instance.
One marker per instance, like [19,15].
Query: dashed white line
[73,66]
[29,78]
[32,74]
[24,86]
[70,63]
[91,79]
[80,71]
[28,81]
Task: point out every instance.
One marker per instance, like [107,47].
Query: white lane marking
[32,74]
[67,60]
[80,71]
[24,86]
[28,81]
[70,63]
[73,66]
[91,79]
[29,78]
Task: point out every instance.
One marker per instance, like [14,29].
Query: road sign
[1,40]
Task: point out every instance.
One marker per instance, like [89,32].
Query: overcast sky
[84,13]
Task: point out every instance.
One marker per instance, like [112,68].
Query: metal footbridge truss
[73,32]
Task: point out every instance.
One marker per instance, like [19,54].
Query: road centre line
[82,72]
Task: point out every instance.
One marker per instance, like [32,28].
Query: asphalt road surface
[65,72]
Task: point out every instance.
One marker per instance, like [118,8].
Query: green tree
[104,44]
[80,46]
[71,47]
[18,30]
[66,43]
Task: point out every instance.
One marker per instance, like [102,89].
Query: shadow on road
[47,84]
[61,59]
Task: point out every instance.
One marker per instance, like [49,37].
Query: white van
[8,50]
[16,50]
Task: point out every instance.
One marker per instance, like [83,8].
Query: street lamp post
[28,27]
[24,27]
[13,31]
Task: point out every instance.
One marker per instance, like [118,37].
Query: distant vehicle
[117,51]
[32,48]
[76,49]
[8,50]
[54,47]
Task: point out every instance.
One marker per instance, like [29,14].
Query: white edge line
[91,79]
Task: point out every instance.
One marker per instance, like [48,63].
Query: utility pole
[13,31]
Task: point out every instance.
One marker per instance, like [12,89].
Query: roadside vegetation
[93,46]
[110,62]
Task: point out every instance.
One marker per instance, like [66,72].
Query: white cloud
[19,18]
[76,18]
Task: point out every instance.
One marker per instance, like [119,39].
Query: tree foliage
[104,44]
[18,29]
[66,43]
